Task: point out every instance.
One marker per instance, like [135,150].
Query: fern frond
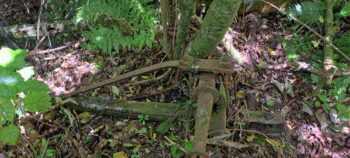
[342,42]
[308,12]
[119,24]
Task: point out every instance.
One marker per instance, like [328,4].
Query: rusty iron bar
[206,95]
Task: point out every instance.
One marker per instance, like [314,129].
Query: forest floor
[264,80]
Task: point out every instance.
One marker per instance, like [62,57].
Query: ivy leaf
[37,101]
[345,11]
[12,59]
[7,110]
[9,134]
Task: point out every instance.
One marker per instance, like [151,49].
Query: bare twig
[310,29]
[42,39]
[35,52]
[39,19]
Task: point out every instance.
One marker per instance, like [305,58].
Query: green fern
[342,42]
[117,24]
[308,12]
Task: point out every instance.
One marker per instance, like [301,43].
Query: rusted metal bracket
[207,95]
[216,66]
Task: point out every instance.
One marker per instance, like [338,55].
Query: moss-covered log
[215,24]
[130,109]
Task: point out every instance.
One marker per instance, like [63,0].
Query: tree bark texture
[328,62]
[215,24]
[187,8]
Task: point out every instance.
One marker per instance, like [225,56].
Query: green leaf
[36,102]
[261,140]
[164,126]
[9,134]
[175,152]
[9,82]
[7,110]
[7,91]
[35,86]
[188,146]
[343,111]
[345,11]
[323,98]
[12,59]
[9,78]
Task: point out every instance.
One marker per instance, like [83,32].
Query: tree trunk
[215,24]
[328,62]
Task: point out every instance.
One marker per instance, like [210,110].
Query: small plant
[19,92]
[143,118]
[135,153]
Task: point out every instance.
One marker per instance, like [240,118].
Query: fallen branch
[35,53]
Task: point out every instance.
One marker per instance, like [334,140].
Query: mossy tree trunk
[187,8]
[215,24]
[328,62]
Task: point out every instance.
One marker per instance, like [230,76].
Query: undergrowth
[114,25]
[305,45]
